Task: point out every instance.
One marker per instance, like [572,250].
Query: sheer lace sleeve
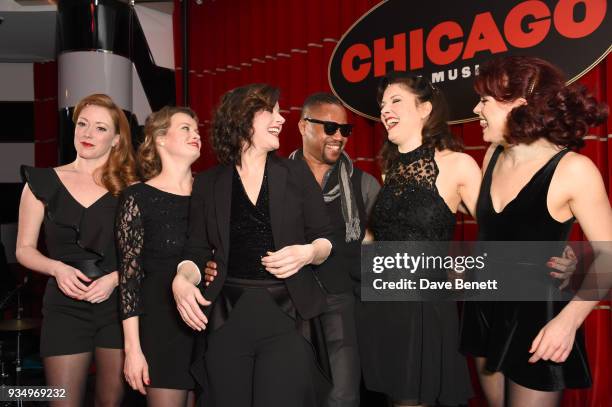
[129,234]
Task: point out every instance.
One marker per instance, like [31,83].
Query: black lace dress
[151,229]
[409,350]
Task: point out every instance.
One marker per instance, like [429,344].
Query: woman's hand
[189,300]
[288,260]
[70,280]
[102,288]
[136,370]
[554,342]
[564,266]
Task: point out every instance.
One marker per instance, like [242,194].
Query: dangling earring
[161,143]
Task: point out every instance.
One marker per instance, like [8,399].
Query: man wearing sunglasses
[349,194]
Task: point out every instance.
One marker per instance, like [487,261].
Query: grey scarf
[344,190]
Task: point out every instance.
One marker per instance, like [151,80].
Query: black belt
[87,267]
[310,329]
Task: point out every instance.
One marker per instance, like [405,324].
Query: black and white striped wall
[98,54]
[17,142]
[37,94]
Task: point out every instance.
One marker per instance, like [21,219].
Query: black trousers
[257,358]
[341,337]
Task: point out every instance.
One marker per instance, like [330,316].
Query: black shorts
[71,326]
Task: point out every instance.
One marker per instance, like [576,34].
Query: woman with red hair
[75,203]
[534,188]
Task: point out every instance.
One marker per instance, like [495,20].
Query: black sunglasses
[330,128]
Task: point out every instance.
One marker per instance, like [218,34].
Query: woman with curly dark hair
[534,188]
[151,230]
[76,205]
[263,221]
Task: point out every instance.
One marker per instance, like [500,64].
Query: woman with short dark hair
[263,221]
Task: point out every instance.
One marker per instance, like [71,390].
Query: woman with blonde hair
[75,203]
[151,229]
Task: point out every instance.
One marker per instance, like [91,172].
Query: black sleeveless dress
[81,237]
[503,331]
[409,350]
[151,231]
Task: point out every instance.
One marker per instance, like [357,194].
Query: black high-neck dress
[503,332]
[409,350]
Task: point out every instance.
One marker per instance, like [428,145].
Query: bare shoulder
[457,159]
[465,159]
[468,171]
[577,175]
[577,166]
[460,168]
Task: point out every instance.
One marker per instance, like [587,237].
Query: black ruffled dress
[82,237]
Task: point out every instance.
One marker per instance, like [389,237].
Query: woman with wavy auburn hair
[151,230]
[76,204]
[534,189]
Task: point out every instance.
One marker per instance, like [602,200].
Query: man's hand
[210,272]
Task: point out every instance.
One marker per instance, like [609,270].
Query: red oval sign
[447,40]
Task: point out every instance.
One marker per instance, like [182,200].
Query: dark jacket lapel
[277,186]
[223,197]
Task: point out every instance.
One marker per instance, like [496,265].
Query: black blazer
[297,215]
